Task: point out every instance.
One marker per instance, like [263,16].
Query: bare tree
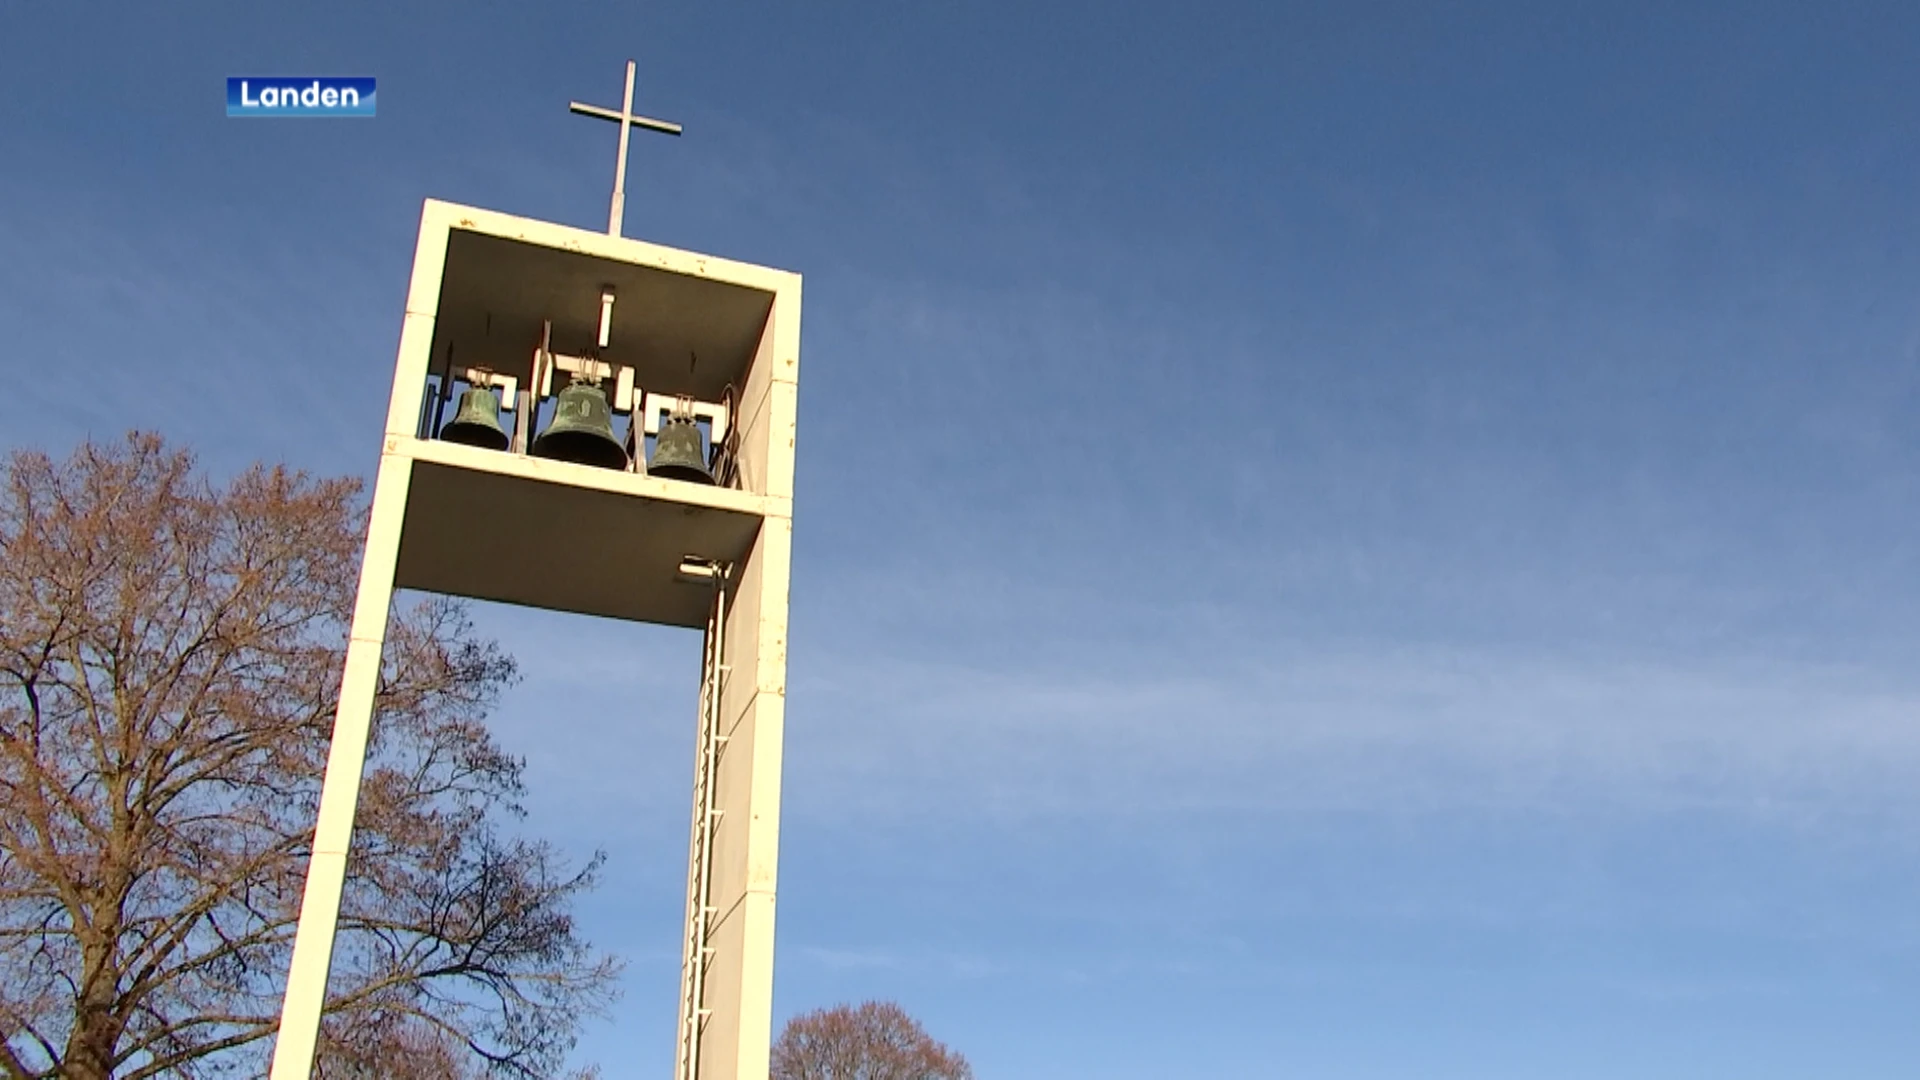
[875,1041]
[170,657]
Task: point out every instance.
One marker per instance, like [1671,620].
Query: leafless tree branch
[169,663]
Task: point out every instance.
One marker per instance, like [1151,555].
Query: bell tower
[591,424]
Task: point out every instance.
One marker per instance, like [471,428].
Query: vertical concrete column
[746,852]
[746,849]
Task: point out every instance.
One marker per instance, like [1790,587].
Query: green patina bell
[680,454]
[478,421]
[582,430]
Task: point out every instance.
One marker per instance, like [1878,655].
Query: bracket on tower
[696,568]
[507,384]
[589,368]
[658,405]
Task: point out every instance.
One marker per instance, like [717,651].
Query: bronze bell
[582,430]
[681,453]
[478,421]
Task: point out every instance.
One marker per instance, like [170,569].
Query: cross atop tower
[627,120]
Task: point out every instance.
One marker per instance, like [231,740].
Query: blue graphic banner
[299,95]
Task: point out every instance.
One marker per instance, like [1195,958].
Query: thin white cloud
[1388,731]
[1236,720]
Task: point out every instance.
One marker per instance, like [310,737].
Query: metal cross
[627,120]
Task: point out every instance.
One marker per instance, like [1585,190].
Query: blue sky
[1339,541]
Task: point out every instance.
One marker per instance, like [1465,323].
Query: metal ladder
[706,763]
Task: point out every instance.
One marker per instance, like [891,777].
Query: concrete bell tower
[673,342]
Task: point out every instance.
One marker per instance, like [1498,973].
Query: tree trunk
[96,1032]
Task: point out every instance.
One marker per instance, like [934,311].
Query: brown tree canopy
[875,1041]
[170,656]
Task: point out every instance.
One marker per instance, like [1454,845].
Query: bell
[680,454]
[478,421]
[582,430]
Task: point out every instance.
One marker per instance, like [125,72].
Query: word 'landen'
[310,96]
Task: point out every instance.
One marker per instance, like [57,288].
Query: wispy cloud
[1240,718]
[1389,731]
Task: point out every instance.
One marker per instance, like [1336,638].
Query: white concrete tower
[527,308]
